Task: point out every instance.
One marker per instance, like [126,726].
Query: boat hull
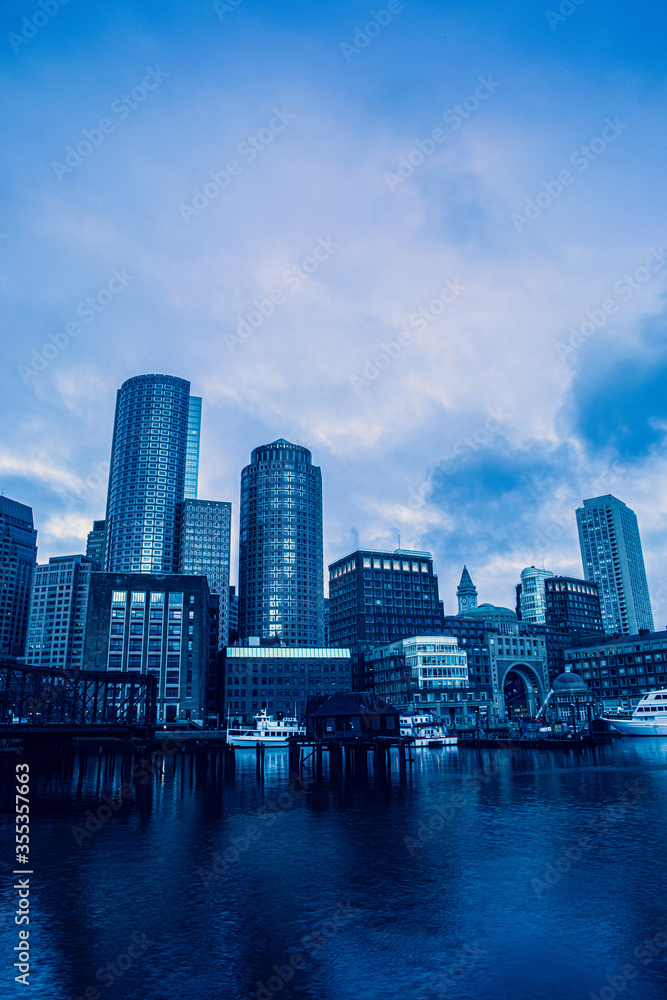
[635,727]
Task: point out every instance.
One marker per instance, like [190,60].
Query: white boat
[272,732]
[426,732]
[648,719]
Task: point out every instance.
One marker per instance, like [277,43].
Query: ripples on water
[457,884]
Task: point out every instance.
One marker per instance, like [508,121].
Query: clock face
[464,602]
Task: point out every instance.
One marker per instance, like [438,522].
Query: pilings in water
[348,758]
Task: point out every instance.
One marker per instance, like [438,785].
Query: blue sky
[472,198]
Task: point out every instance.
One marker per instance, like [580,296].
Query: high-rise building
[233,615]
[205,541]
[95,543]
[192,449]
[611,553]
[377,597]
[530,600]
[280,546]
[18,556]
[147,475]
[573,605]
[58,608]
[165,626]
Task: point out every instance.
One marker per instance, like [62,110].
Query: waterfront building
[147,474]
[18,556]
[281,678]
[573,605]
[530,599]
[95,543]
[162,625]
[58,610]
[344,714]
[619,669]
[280,546]
[205,543]
[611,554]
[571,699]
[428,673]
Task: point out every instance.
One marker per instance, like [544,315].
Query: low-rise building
[619,669]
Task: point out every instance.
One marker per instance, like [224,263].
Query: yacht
[426,732]
[272,732]
[648,719]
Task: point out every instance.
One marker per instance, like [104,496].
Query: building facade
[95,543]
[281,678]
[573,605]
[18,557]
[280,546]
[147,475]
[611,554]
[620,669]
[165,626]
[205,544]
[58,611]
[192,448]
[530,598]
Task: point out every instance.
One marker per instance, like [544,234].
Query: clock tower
[466,593]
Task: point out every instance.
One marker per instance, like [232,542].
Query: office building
[192,449]
[619,669]
[573,605]
[205,541]
[530,600]
[165,626]
[611,553]
[281,678]
[233,616]
[280,546]
[58,610]
[95,543]
[147,474]
[18,556]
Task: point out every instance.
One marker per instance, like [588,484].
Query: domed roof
[491,612]
[570,683]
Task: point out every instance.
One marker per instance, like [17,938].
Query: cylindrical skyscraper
[147,475]
[280,549]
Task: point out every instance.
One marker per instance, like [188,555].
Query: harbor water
[486,875]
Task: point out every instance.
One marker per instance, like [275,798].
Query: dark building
[377,597]
[18,556]
[573,605]
[233,616]
[345,715]
[95,543]
[165,626]
[280,678]
[205,541]
[280,546]
[58,612]
[151,441]
[619,669]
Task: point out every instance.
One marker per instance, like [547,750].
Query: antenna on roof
[399,538]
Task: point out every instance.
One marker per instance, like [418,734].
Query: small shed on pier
[346,714]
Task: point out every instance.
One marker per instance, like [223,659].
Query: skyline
[479,191]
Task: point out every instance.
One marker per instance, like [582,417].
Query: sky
[424,239]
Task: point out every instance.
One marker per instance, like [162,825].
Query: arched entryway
[521,691]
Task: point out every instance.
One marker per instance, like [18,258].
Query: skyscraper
[95,543]
[611,554]
[205,541]
[18,555]
[192,448]
[530,599]
[148,474]
[280,549]
[58,608]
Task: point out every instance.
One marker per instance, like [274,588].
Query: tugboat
[648,719]
[272,732]
[426,732]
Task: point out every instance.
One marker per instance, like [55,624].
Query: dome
[569,683]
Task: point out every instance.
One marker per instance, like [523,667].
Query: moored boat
[648,719]
[272,732]
[425,731]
